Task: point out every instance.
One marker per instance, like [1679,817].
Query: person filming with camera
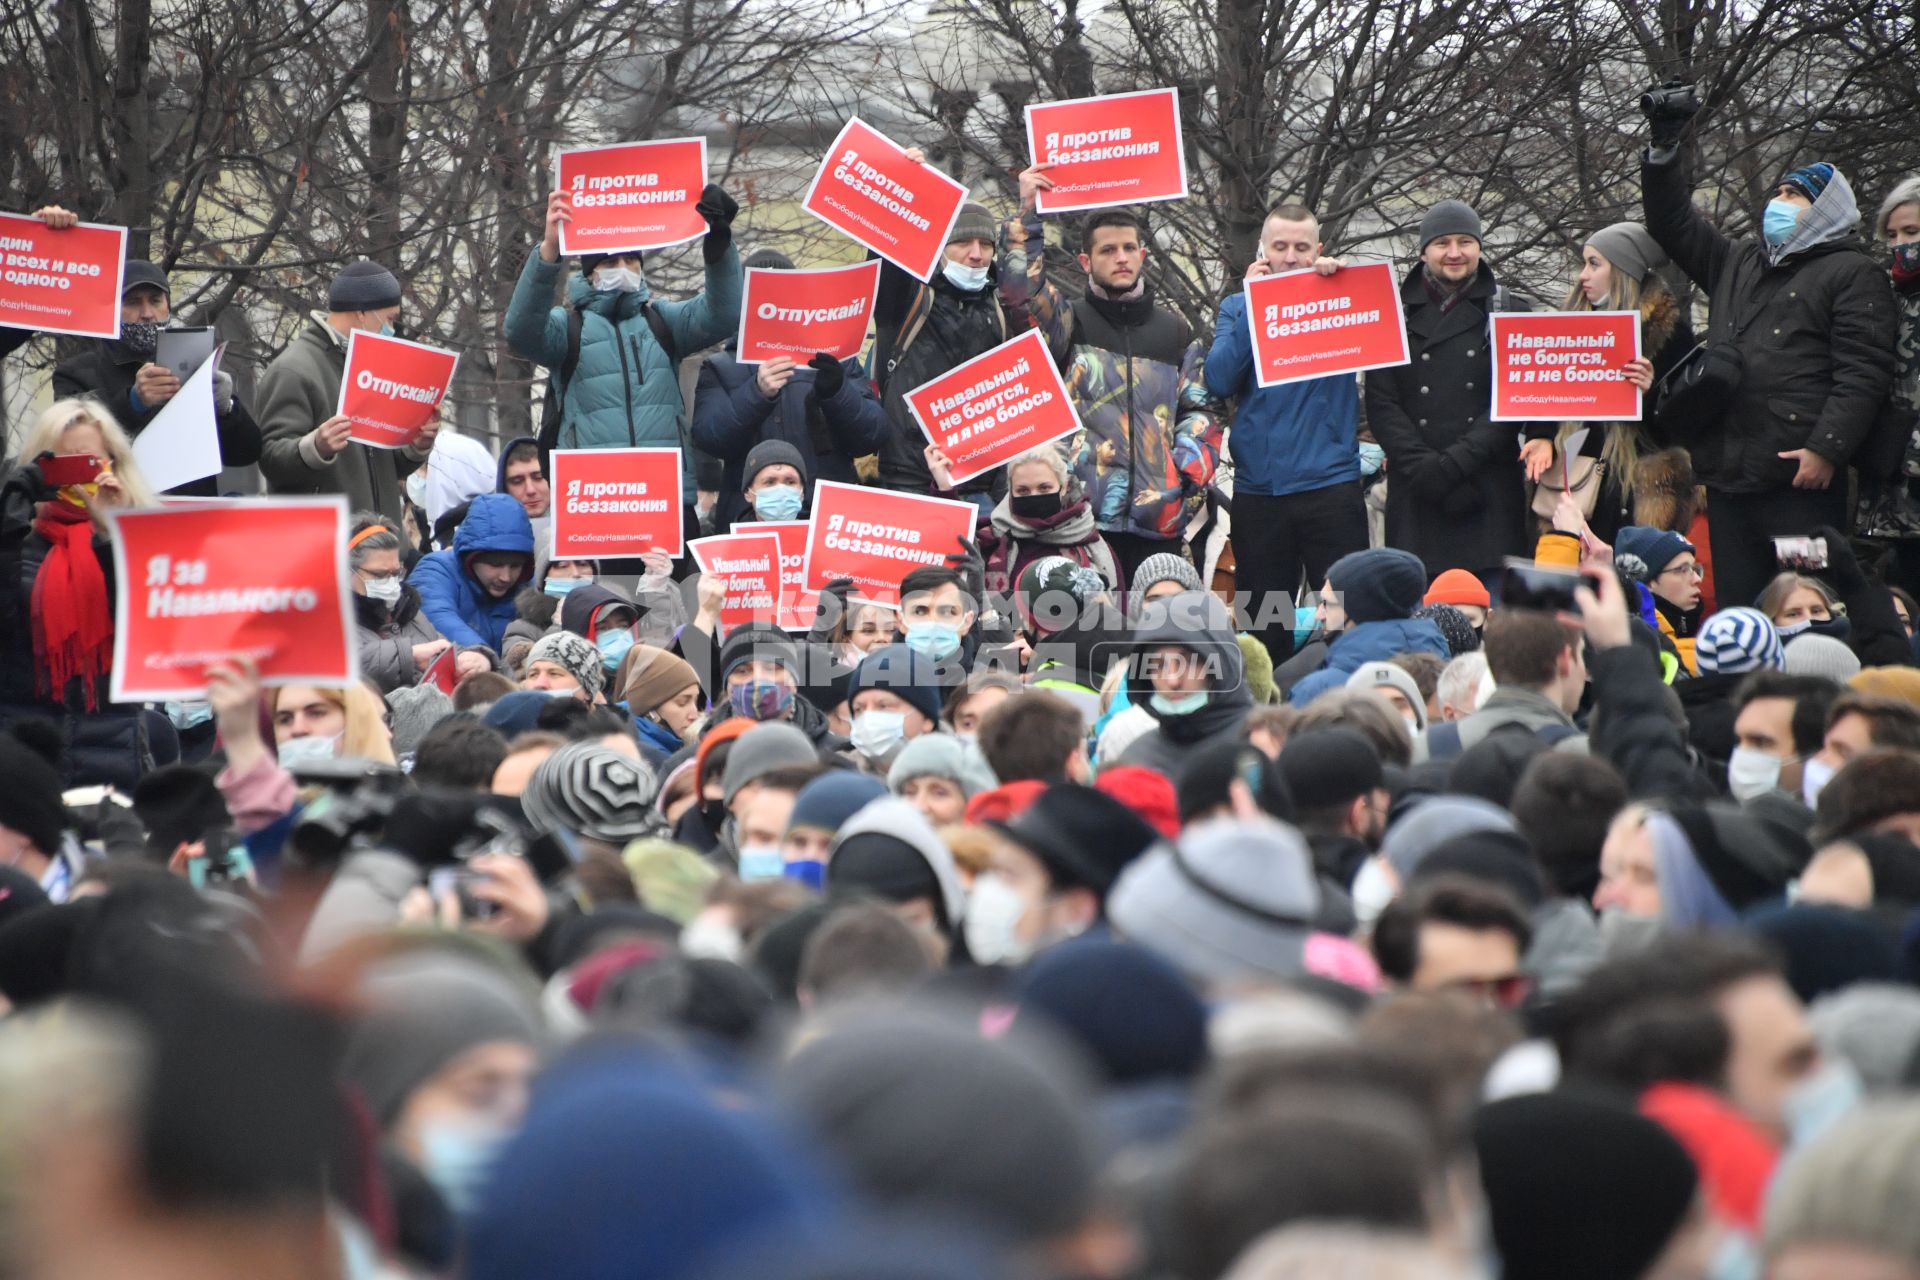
[1798,358]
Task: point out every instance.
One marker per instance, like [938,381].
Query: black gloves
[828,376]
[829,609]
[1670,108]
[973,572]
[718,208]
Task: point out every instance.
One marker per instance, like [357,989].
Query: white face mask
[385,590]
[295,752]
[417,488]
[1752,773]
[994,908]
[1373,888]
[1814,777]
[876,733]
[965,277]
[616,279]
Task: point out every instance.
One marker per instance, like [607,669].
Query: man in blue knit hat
[1799,355]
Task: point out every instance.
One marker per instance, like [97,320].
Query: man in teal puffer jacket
[625,391]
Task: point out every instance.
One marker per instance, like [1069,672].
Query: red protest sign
[877,537]
[196,585]
[1561,365]
[392,388]
[797,604]
[1123,148]
[632,196]
[443,673]
[615,502]
[798,314]
[1306,325]
[868,189]
[995,407]
[750,563]
[61,281]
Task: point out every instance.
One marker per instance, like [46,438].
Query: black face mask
[1035,506]
[1840,628]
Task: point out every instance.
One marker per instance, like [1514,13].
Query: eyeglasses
[1694,570]
[1508,992]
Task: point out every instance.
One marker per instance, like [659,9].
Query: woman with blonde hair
[57,616]
[1619,271]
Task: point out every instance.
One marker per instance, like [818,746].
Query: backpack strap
[918,312]
[662,333]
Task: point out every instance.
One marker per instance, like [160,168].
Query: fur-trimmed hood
[1659,319]
[1665,492]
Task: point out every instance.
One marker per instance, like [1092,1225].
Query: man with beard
[1150,430]
[121,374]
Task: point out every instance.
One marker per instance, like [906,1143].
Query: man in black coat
[1812,318]
[120,373]
[1455,496]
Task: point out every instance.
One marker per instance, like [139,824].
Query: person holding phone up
[122,374]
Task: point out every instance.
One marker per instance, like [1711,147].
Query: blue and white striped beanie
[1735,641]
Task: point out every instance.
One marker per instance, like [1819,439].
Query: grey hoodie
[1195,620]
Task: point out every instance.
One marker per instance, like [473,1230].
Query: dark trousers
[1743,526]
[1281,543]
[1129,549]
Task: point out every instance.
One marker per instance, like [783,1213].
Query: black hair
[1811,696]
[460,752]
[1446,899]
[1111,218]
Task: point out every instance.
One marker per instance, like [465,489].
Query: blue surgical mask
[295,752]
[777,502]
[761,699]
[1734,1259]
[457,1157]
[1820,1101]
[1778,222]
[760,862]
[810,872]
[1306,620]
[1372,458]
[189,715]
[386,328]
[1182,706]
[935,640]
[558,587]
[613,646]
[965,277]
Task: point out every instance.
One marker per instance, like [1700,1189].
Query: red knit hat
[1145,791]
[1457,586]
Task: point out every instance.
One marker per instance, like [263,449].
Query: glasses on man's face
[1693,570]
[378,577]
[1508,992]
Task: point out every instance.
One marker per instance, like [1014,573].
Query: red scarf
[72,617]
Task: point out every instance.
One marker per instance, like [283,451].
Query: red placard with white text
[1556,366]
[868,189]
[797,604]
[1123,148]
[1306,325]
[61,281]
[392,388]
[877,537]
[632,196]
[615,502]
[990,410]
[750,563]
[799,314]
[197,585]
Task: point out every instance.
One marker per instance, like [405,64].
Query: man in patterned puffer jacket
[1150,432]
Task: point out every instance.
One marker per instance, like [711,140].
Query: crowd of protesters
[1409,914]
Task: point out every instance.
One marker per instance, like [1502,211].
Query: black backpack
[560,378]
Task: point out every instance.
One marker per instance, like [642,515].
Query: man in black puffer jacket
[1812,318]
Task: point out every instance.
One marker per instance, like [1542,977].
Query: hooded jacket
[1379,591]
[1151,431]
[892,816]
[1814,325]
[1455,492]
[731,416]
[1292,438]
[107,372]
[299,391]
[1197,621]
[625,391]
[450,596]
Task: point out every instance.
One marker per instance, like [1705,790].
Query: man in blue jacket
[625,388]
[467,593]
[1368,606]
[825,409]
[1297,505]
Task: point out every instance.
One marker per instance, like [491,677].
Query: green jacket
[625,390]
[299,391]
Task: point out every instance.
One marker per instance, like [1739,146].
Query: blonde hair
[366,736]
[1773,599]
[85,410]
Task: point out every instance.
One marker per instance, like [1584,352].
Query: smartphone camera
[1528,584]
